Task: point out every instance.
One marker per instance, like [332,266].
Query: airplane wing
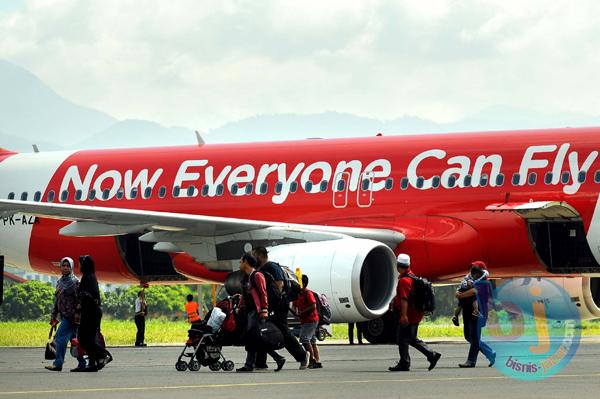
[203,237]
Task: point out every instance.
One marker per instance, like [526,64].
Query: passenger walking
[91,316]
[279,312]
[472,324]
[410,317]
[306,307]
[465,285]
[191,308]
[65,305]
[141,311]
[256,305]
[359,327]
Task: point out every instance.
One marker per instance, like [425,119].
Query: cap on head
[403,261]
[480,264]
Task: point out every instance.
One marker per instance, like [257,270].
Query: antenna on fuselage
[199,138]
[35,148]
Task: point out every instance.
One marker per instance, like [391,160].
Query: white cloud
[203,63]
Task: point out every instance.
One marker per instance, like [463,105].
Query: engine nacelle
[357,275]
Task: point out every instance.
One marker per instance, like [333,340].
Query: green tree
[32,300]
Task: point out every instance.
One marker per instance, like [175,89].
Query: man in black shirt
[280,312]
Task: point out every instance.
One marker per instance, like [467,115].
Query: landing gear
[381,330]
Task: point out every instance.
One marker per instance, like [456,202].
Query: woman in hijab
[91,315]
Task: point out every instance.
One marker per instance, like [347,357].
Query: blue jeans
[66,331]
[472,329]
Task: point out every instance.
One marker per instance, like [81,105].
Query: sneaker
[77,369]
[399,367]
[434,360]
[53,368]
[304,363]
[466,365]
[492,359]
[315,365]
[455,321]
[90,369]
[280,364]
[245,369]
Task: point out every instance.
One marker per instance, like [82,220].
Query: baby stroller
[207,337]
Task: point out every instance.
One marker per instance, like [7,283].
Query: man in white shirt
[141,310]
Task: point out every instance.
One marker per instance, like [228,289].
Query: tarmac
[358,371]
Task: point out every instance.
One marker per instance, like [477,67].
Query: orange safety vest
[191,309]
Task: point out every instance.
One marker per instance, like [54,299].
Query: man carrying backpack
[306,307]
[280,311]
[410,317]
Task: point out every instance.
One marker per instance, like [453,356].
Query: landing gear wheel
[215,366]
[181,366]
[194,365]
[321,334]
[227,365]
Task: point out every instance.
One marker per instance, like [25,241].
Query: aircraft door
[364,195]
[340,190]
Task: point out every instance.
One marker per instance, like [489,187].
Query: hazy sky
[200,64]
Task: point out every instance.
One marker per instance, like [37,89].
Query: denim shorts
[307,333]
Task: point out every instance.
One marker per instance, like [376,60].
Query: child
[466,284]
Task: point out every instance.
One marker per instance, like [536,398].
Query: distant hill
[30,110]
[138,133]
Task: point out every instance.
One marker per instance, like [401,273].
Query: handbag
[50,353]
[271,336]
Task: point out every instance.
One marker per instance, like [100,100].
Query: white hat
[403,260]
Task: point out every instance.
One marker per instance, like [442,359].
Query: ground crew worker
[141,311]
[191,308]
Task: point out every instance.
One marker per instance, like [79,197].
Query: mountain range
[33,113]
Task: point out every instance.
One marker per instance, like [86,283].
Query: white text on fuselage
[199,173]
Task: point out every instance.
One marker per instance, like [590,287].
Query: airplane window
[366,184]
[420,181]
[499,180]
[176,191]
[249,188]
[389,183]
[205,190]
[234,189]
[582,176]
[120,193]
[435,182]
[308,186]
[148,192]
[452,181]
[532,178]
[467,181]
[162,192]
[278,187]
[597,176]
[105,194]
[37,196]
[220,189]
[293,187]
[11,196]
[134,193]
[24,196]
[50,196]
[548,178]
[565,177]
[341,185]
[264,187]
[64,196]
[190,191]
[78,195]
[515,179]
[404,183]
[323,186]
[483,182]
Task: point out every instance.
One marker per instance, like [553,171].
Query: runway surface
[349,372]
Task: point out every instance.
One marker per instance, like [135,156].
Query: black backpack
[323,308]
[423,294]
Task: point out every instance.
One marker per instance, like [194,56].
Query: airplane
[341,210]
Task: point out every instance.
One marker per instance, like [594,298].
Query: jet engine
[358,276]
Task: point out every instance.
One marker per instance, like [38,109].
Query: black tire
[215,366]
[381,330]
[181,366]
[320,334]
[227,365]
[194,365]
